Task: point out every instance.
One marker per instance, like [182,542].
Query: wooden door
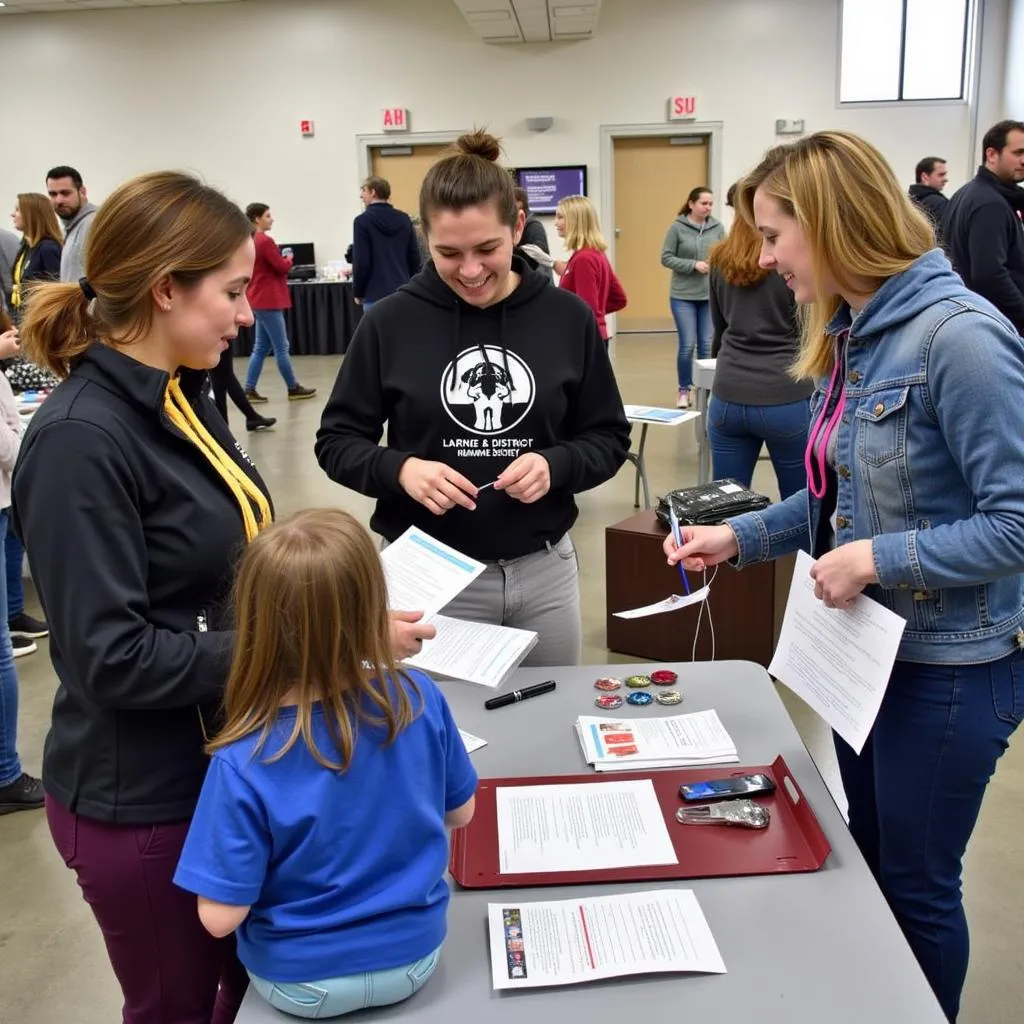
[404,168]
[652,180]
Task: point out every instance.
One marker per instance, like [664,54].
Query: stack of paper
[424,575]
[652,414]
[638,744]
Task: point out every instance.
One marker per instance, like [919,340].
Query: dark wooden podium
[743,602]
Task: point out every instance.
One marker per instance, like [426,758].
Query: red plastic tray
[793,841]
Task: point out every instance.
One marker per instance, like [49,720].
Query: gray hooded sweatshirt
[72,257]
[685,244]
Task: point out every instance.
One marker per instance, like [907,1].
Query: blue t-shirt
[344,871]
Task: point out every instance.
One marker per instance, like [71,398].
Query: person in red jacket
[587,273]
[269,298]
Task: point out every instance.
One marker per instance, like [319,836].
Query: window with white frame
[903,50]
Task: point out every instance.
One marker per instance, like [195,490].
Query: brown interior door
[404,168]
[652,179]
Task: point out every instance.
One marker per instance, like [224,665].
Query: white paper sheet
[630,744]
[583,827]
[565,942]
[423,574]
[658,416]
[837,660]
[472,742]
[670,604]
[475,652]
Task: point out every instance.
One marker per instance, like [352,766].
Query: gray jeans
[538,592]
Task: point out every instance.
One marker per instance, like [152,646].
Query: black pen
[517,695]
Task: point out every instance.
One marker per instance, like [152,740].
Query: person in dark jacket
[135,502]
[503,409]
[385,253]
[755,339]
[38,257]
[983,227]
[930,178]
[533,238]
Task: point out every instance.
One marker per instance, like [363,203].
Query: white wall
[221,88]
[1013,94]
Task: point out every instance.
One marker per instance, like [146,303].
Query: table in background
[746,605]
[703,380]
[636,458]
[799,948]
[321,321]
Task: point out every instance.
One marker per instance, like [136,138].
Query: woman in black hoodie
[500,403]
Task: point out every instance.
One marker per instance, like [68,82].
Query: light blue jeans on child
[318,1000]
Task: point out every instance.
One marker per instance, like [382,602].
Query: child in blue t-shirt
[320,831]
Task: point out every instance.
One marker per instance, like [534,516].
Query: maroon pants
[171,970]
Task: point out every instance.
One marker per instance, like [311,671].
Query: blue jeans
[693,325]
[315,1000]
[737,432]
[915,792]
[10,766]
[271,335]
[14,558]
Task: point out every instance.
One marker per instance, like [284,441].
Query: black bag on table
[711,503]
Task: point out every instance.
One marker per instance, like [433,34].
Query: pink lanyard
[822,431]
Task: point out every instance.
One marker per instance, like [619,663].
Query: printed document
[662,417]
[423,574]
[583,827]
[638,744]
[565,942]
[475,652]
[837,660]
[670,604]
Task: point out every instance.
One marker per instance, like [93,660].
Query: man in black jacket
[533,235]
[385,253]
[929,180]
[983,227]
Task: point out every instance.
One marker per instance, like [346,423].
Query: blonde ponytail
[56,326]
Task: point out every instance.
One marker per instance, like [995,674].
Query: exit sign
[682,108]
[306,128]
[395,119]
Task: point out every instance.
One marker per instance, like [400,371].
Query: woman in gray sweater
[685,252]
[754,399]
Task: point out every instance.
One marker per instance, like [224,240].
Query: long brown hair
[159,224]
[469,176]
[736,256]
[855,216]
[38,220]
[313,626]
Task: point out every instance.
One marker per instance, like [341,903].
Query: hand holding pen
[436,486]
[678,538]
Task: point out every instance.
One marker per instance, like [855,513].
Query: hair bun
[479,143]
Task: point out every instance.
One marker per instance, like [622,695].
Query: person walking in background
[930,178]
[385,252]
[915,458]
[38,256]
[269,298]
[349,914]
[983,227]
[754,399]
[70,202]
[685,252]
[587,273]
[19,791]
[533,242]
[225,384]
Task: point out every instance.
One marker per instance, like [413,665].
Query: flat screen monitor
[547,186]
[303,253]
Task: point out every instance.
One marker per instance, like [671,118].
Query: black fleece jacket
[476,388]
[132,537]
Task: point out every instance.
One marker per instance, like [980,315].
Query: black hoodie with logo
[476,388]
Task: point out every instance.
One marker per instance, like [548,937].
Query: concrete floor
[53,967]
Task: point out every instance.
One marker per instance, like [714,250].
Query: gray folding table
[799,948]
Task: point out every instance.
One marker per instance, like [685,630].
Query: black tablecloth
[320,322]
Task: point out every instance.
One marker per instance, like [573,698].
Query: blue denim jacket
[929,466]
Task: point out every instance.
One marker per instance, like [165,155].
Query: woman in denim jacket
[915,461]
